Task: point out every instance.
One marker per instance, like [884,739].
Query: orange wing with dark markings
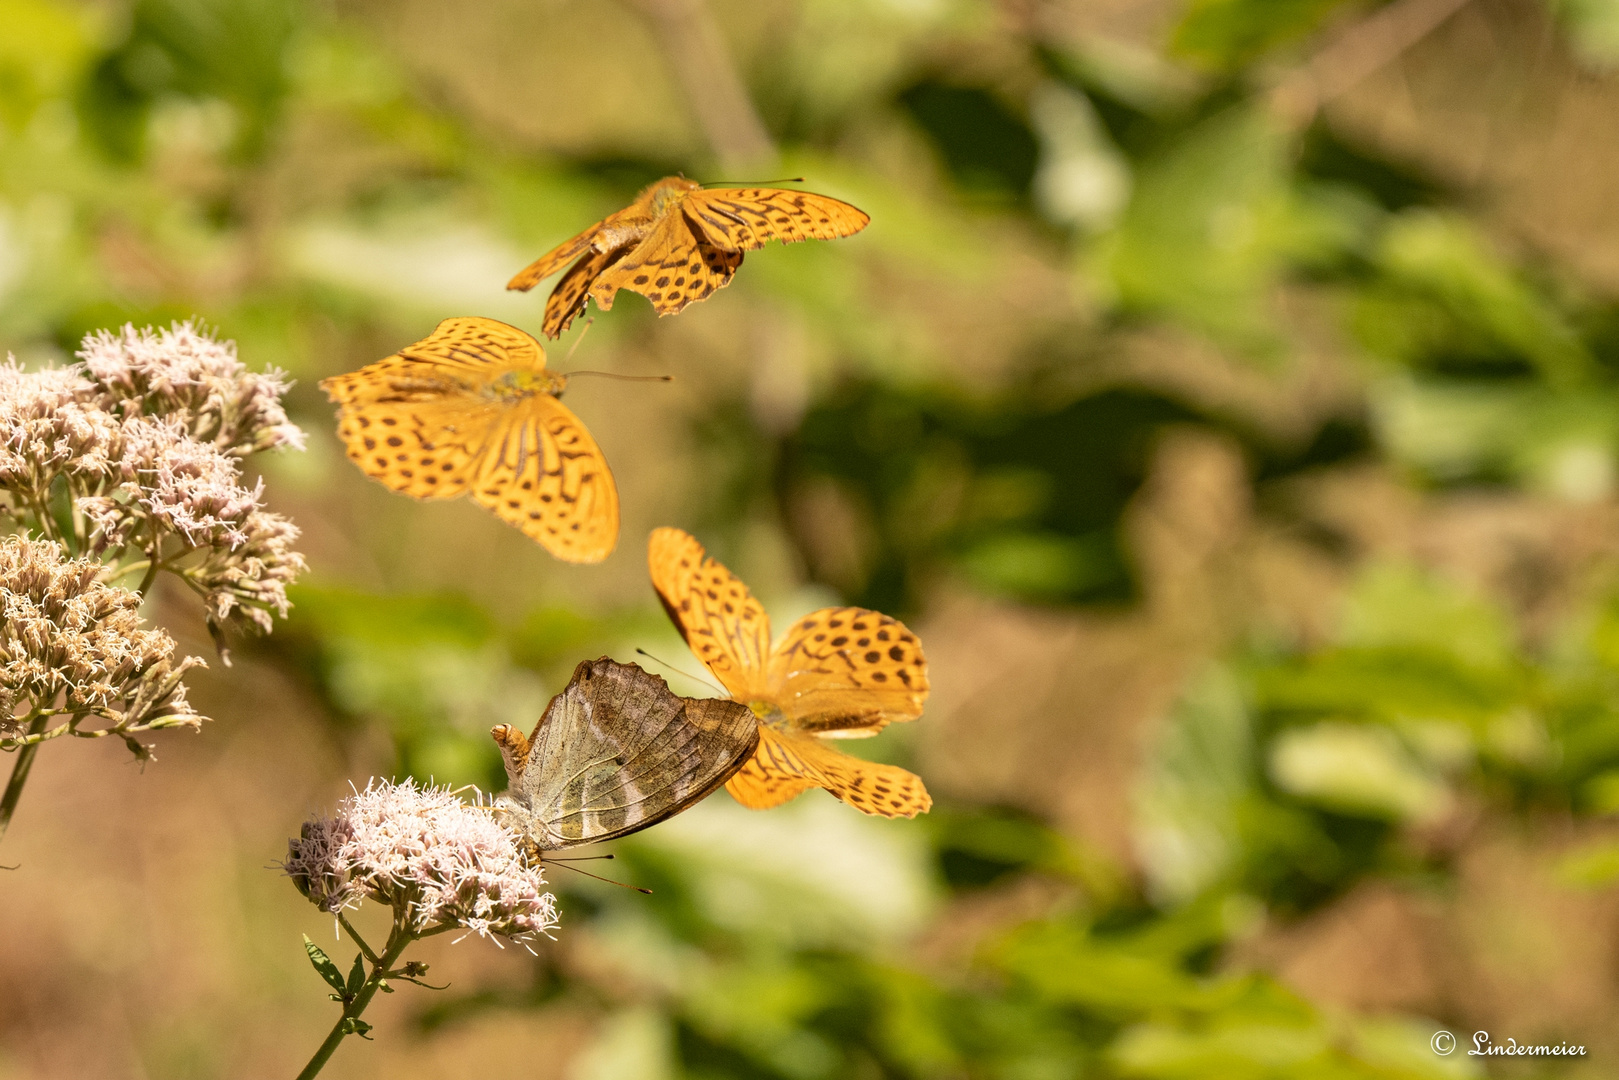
[677,243]
[838,673]
[786,764]
[745,219]
[469,410]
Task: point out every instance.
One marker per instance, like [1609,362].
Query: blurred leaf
[1356,769]
[1442,259]
[988,149]
[1592,865]
[634,1042]
[1226,34]
[1063,962]
[1398,606]
[231,50]
[40,54]
[1203,238]
[1186,802]
[1600,794]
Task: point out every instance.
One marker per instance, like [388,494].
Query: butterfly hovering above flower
[677,243]
[837,673]
[471,410]
[615,752]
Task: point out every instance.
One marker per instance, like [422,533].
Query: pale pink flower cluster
[50,425]
[73,647]
[192,377]
[139,447]
[432,857]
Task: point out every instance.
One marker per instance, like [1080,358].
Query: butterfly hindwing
[425,449]
[567,300]
[848,671]
[618,751]
[672,267]
[544,474]
[716,614]
[743,219]
[786,764]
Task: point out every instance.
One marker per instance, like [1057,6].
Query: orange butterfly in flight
[678,242]
[470,409]
[838,673]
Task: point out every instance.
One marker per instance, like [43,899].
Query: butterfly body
[615,752]
[471,410]
[837,673]
[677,243]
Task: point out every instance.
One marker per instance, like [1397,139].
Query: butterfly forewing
[786,764]
[743,219]
[716,614]
[479,347]
[848,671]
[553,260]
[618,751]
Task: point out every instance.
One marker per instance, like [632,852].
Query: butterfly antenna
[577,858]
[754,183]
[591,321]
[625,378]
[680,671]
[567,866]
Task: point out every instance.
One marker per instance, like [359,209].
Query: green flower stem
[19,772]
[398,939]
[381,969]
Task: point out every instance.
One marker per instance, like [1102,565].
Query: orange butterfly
[838,673]
[677,242]
[470,409]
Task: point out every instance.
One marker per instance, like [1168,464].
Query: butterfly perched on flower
[615,752]
[678,242]
[837,673]
[471,410]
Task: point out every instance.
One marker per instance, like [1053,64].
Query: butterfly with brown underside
[837,673]
[471,410]
[615,752]
[677,243]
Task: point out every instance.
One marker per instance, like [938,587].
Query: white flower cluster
[432,857]
[133,456]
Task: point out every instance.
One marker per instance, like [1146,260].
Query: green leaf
[356,975]
[353,1025]
[324,965]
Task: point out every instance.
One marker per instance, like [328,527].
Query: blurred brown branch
[697,57]
[1356,53]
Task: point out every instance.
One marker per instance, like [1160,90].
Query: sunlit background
[1227,393]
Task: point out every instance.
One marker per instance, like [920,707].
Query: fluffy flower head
[48,426]
[70,641]
[187,374]
[423,851]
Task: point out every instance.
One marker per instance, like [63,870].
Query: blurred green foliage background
[1226,391]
